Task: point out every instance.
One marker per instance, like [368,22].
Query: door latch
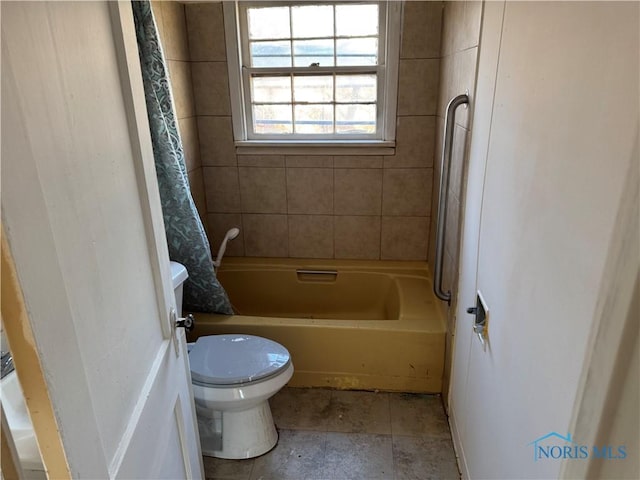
[188,323]
[481,312]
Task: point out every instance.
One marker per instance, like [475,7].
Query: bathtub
[361,325]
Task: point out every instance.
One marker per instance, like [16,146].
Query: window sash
[244,28]
[289,72]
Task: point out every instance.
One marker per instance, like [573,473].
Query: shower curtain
[187,240]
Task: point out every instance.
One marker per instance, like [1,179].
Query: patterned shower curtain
[187,240]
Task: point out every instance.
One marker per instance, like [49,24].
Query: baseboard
[457,446]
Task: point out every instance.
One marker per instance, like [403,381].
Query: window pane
[357,51]
[272,119]
[270,54]
[312,21]
[314,118]
[313,51]
[356,20]
[355,119]
[313,89]
[356,88]
[269,22]
[271,89]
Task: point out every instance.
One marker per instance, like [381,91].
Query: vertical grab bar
[445,165]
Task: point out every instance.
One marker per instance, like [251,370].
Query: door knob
[188,323]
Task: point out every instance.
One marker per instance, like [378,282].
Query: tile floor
[336,435]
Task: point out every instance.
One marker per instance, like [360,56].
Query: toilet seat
[234,360]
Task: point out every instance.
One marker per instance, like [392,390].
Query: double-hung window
[313,73]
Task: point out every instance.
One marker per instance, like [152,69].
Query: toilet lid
[235,359]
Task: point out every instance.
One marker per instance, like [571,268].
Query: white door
[553,142]
[81,212]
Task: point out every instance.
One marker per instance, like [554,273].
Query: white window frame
[386,71]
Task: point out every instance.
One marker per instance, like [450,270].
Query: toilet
[233,377]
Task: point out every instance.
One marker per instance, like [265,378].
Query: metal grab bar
[445,165]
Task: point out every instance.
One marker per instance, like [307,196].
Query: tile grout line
[393,455]
[326,425]
[253,465]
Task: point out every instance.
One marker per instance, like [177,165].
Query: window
[304,73]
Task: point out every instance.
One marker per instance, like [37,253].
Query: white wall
[563,121]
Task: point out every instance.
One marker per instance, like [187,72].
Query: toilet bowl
[233,377]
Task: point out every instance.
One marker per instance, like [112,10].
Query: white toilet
[233,377]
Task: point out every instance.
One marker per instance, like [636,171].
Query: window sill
[356,147]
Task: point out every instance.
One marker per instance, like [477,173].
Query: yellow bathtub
[361,325]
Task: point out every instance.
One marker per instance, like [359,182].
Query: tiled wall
[460,38]
[171,22]
[320,206]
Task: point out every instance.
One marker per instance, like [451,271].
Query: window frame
[386,71]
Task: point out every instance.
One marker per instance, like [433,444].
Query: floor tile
[358,456]
[299,455]
[301,408]
[418,415]
[336,435]
[220,468]
[359,412]
[424,458]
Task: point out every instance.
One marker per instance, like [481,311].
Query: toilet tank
[178,276]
